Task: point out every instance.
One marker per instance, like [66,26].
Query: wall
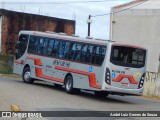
[13,22]
[152,85]
[0,32]
[139,27]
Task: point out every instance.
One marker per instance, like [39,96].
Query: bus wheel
[101,93]
[27,76]
[69,84]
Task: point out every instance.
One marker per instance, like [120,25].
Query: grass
[6,64]
[15,76]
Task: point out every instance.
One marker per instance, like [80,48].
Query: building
[12,22]
[138,23]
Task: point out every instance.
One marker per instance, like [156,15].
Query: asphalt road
[42,96]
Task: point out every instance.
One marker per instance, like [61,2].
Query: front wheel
[27,76]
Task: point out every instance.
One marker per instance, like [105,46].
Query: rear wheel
[101,93]
[69,86]
[27,76]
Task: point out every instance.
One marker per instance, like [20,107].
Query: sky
[77,10]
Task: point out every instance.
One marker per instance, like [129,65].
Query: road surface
[42,96]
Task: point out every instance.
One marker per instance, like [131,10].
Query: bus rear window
[128,56]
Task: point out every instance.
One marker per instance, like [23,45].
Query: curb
[151,97]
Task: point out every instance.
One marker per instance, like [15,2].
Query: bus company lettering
[61,63]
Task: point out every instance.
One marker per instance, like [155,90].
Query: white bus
[102,66]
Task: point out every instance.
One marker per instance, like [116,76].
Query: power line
[62,2]
[120,10]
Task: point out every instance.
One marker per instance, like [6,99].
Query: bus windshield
[128,56]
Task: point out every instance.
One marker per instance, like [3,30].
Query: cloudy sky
[78,10]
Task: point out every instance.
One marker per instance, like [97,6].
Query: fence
[6,64]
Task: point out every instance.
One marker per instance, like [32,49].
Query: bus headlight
[141,82]
[108,76]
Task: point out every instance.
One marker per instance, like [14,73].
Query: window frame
[127,64]
[69,50]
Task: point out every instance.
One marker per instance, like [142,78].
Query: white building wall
[0,33]
[139,27]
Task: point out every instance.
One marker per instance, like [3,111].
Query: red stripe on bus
[28,57]
[19,62]
[39,73]
[92,76]
[121,76]
[37,61]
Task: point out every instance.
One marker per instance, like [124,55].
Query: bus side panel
[87,76]
[19,65]
[80,81]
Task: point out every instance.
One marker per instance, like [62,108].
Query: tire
[101,94]
[27,76]
[69,84]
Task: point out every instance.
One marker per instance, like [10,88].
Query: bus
[102,66]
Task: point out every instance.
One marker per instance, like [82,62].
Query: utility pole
[89,21]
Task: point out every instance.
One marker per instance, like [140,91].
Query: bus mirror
[159,57]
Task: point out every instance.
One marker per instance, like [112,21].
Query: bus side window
[84,53]
[99,53]
[45,46]
[103,54]
[67,49]
[39,45]
[87,53]
[50,47]
[32,45]
[77,52]
[94,55]
[55,48]
[70,51]
[61,49]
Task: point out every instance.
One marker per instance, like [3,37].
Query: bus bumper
[123,91]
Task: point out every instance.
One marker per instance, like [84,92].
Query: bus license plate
[125,84]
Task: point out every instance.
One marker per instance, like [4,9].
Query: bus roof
[63,36]
[129,45]
[75,38]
